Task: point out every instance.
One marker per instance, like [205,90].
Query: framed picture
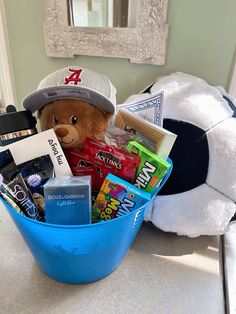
[160,139]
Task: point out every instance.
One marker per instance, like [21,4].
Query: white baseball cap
[74,82]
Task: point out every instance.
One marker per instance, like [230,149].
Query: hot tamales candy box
[151,170]
[116,198]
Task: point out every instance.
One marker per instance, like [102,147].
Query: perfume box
[68,200]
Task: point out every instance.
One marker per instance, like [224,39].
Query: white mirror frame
[146,43]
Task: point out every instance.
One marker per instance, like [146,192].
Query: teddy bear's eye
[55,119]
[73,119]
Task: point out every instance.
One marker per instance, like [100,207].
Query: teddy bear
[73,120]
[76,102]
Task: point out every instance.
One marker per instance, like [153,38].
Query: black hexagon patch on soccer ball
[190,156]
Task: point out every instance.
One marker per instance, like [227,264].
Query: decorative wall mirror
[133,29]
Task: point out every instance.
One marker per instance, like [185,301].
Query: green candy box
[151,170]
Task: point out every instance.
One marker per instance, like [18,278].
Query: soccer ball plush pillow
[199,197]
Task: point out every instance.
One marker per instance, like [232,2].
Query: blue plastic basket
[80,254]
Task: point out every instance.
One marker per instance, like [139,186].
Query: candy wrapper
[77,158]
[117,137]
[83,164]
[122,163]
[120,138]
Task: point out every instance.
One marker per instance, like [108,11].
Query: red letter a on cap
[74,77]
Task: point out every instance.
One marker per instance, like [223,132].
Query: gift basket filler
[79,189]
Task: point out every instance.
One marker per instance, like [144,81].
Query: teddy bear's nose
[61,132]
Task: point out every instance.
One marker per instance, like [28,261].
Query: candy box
[151,170]
[122,163]
[68,200]
[117,197]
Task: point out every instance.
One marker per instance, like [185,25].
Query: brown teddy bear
[76,103]
[73,120]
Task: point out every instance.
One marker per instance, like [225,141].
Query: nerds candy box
[117,198]
[152,169]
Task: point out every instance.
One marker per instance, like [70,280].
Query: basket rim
[92,225]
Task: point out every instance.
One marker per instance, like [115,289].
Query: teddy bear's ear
[39,113]
[43,120]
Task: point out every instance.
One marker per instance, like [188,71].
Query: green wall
[201,42]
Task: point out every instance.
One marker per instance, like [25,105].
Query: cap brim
[40,98]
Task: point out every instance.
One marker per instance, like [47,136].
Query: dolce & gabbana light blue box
[68,200]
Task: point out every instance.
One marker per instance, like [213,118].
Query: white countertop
[162,273]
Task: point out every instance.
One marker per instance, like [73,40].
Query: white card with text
[38,145]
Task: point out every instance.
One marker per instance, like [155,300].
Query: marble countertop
[162,273]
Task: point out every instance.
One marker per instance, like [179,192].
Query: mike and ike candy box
[151,170]
[116,198]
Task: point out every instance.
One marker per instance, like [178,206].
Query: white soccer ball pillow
[199,197]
